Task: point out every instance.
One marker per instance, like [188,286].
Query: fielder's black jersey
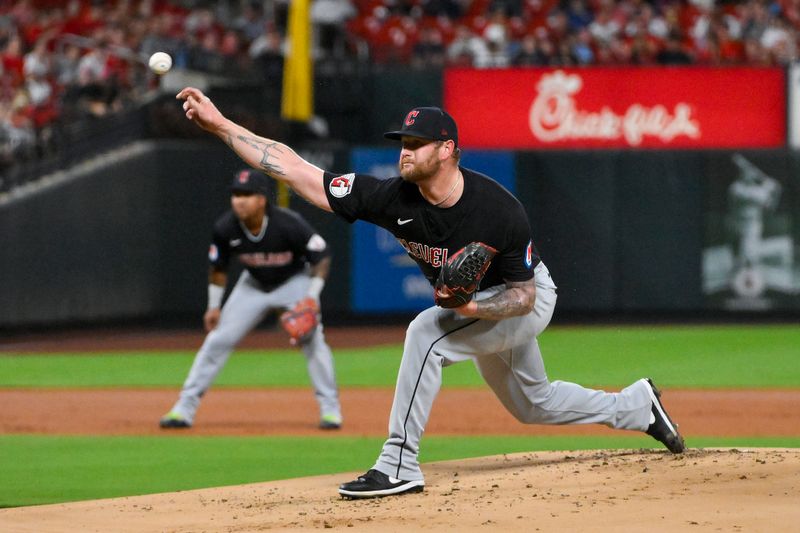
[283,248]
[486,212]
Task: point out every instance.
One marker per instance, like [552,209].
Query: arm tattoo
[272,149]
[516,300]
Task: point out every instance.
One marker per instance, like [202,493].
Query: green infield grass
[740,356]
[50,469]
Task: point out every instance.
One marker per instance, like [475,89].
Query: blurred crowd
[503,33]
[68,62]
[81,59]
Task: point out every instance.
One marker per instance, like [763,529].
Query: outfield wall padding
[621,231]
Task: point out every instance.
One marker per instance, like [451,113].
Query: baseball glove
[461,275]
[301,320]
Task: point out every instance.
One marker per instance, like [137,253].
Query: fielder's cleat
[661,426]
[375,484]
[330,422]
[173,420]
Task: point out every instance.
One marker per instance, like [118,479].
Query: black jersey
[283,248]
[486,212]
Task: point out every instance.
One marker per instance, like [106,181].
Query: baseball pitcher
[285,266]
[494,295]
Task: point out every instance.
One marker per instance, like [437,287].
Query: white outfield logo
[342,185]
[400,221]
[554,116]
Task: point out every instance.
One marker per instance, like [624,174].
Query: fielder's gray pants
[246,306]
[507,356]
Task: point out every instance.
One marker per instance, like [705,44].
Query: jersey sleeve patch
[316,243]
[213,253]
[341,186]
[529,255]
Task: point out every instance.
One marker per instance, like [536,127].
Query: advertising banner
[655,108]
[380,266]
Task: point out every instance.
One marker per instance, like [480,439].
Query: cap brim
[398,135]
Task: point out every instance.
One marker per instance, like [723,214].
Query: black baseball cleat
[375,484]
[173,420]
[661,426]
[330,422]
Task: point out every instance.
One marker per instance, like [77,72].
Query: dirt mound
[701,490]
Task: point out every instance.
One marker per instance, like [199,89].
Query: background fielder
[284,261]
[434,208]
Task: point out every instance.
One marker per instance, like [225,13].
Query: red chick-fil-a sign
[618,107]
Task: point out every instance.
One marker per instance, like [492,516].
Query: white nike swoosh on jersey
[400,221]
[236,242]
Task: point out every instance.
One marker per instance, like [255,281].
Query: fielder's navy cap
[427,123]
[252,181]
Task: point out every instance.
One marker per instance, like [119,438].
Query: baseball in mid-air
[160,63]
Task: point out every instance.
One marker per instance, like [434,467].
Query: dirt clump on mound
[634,490]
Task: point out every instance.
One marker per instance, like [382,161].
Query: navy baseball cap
[427,123]
[251,181]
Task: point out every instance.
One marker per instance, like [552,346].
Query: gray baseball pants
[246,306]
[508,358]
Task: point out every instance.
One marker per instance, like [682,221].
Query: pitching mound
[702,490]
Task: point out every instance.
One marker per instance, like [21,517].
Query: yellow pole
[283,194]
[298,102]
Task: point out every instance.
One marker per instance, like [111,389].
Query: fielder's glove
[301,320]
[461,275]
